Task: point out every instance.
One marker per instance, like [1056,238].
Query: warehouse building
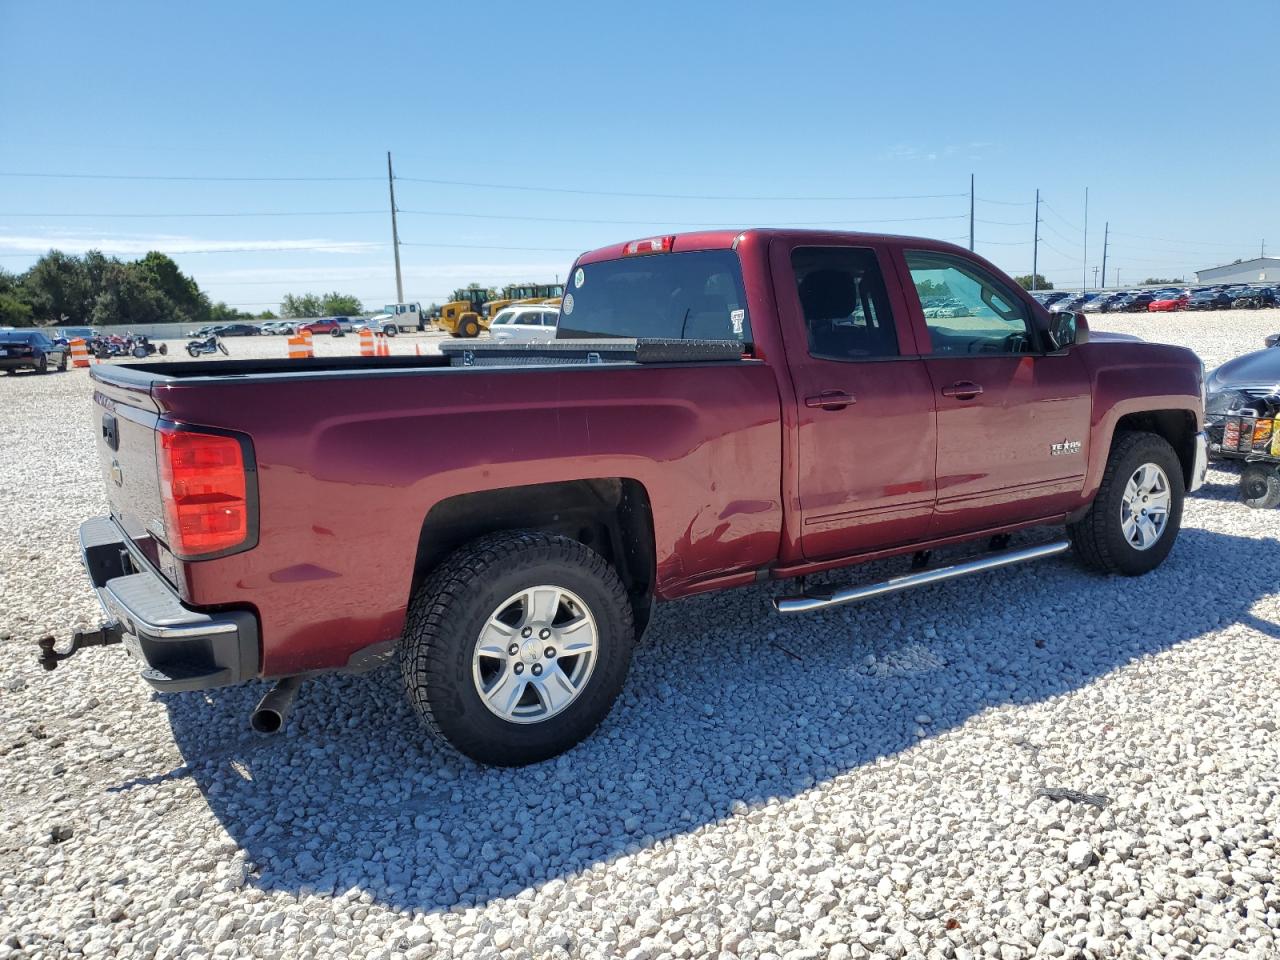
[1257,270]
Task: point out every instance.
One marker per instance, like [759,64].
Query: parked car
[204,331]
[1208,300]
[1073,303]
[30,350]
[1135,303]
[1256,298]
[236,330]
[505,531]
[532,324]
[328,325]
[1102,303]
[1241,413]
[272,327]
[75,333]
[1168,304]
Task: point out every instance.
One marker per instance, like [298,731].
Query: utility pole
[1264,249]
[1117,276]
[1084,257]
[1105,231]
[395,233]
[1035,245]
[971,213]
[1095,276]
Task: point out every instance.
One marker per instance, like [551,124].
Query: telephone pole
[1035,244]
[971,213]
[1095,276]
[1105,231]
[395,233]
[1084,257]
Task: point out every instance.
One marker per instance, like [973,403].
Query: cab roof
[730,239]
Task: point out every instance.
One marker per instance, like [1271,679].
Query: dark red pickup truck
[502,521]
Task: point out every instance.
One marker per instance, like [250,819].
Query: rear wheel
[42,365]
[1135,516]
[1260,486]
[62,364]
[516,646]
[390,331]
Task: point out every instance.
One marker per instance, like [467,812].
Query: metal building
[1257,270]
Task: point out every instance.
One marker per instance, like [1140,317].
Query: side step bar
[815,601]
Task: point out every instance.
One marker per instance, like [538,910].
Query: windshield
[504,317]
[679,296]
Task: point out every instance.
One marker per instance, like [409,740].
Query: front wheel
[222,348]
[390,331]
[470,329]
[62,364]
[516,646]
[193,351]
[336,332]
[1135,517]
[42,365]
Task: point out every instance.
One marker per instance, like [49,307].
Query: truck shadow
[743,707]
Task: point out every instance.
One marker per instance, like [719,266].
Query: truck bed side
[349,466]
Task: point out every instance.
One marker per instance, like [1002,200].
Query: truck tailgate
[126,435]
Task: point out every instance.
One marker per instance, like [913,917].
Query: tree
[1153,281]
[221,313]
[14,311]
[1025,282]
[56,286]
[927,289]
[300,307]
[340,304]
[266,315]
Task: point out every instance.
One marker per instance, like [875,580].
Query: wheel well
[612,516]
[1176,426]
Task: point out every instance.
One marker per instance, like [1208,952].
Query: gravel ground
[1035,762]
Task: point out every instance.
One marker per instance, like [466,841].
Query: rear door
[1013,419]
[866,428]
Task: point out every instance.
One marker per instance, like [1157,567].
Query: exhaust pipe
[272,711]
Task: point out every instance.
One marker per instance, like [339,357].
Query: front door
[866,433]
[1013,419]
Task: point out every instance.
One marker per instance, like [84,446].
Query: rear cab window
[697,295]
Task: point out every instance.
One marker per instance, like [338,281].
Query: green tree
[932,288]
[14,311]
[221,313]
[161,274]
[1153,281]
[55,287]
[266,315]
[126,297]
[300,307]
[340,304]
[1025,282]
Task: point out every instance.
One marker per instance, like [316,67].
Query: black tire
[164,349]
[335,332]
[1260,486]
[445,619]
[42,365]
[471,329]
[390,331]
[62,364]
[1098,538]
[222,348]
[193,352]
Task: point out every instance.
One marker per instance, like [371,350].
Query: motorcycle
[142,347]
[211,344]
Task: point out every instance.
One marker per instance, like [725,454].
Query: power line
[1005,223]
[182,178]
[245,213]
[1005,203]
[474,246]
[667,196]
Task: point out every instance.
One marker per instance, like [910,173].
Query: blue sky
[1164,111]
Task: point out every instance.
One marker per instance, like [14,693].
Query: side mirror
[1068,329]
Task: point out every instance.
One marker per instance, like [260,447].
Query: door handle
[962,390]
[830,400]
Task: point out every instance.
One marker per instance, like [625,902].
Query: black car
[30,350]
[237,330]
[1242,407]
[1255,298]
[1137,303]
[1209,300]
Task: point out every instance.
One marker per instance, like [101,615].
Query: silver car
[528,324]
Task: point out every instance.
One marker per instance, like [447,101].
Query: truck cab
[400,318]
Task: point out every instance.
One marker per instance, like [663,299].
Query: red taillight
[205,491]
[652,245]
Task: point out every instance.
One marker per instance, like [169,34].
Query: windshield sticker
[567,306]
[579,278]
[736,318]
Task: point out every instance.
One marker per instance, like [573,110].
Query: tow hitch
[106,634]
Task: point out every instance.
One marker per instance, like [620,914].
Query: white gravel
[867,782]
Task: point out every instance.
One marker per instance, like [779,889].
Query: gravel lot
[864,782]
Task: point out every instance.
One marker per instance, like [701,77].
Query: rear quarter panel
[349,467]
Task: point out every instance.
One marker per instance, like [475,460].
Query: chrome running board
[817,601]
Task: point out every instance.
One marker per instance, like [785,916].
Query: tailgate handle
[830,400]
[962,390]
[111,431]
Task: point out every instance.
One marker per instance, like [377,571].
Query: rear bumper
[177,648]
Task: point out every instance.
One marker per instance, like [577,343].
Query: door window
[966,310]
[846,309]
